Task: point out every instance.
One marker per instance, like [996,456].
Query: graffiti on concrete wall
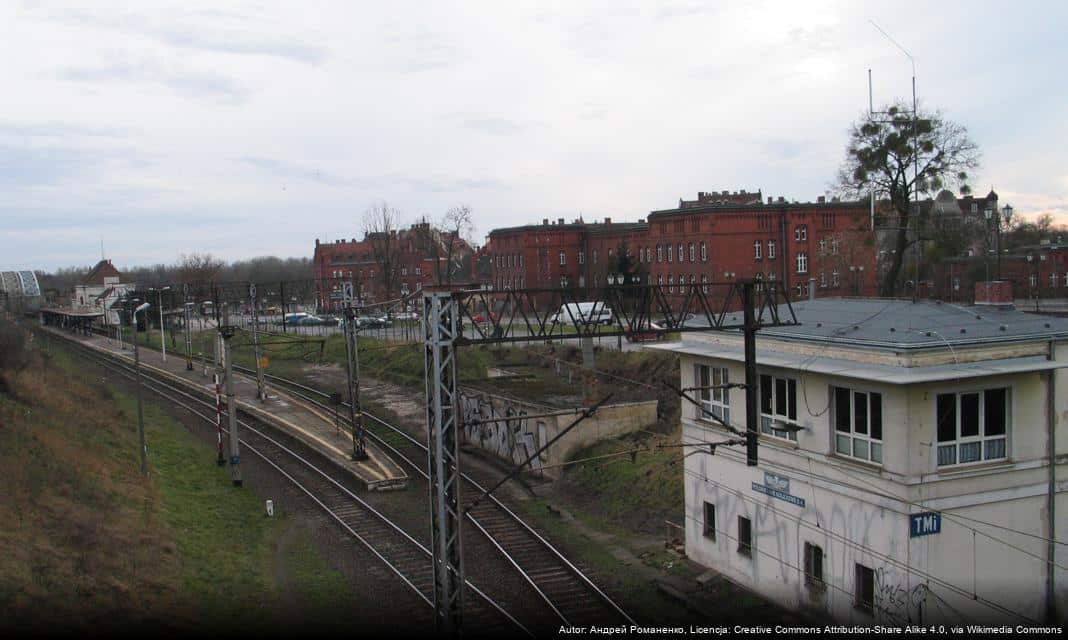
[514,437]
[894,601]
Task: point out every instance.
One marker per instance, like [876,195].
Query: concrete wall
[517,437]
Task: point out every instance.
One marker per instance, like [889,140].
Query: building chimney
[782,199]
[995,293]
[770,200]
[317,242]
[608,221]
[560,221]
[545,222]
[821,199]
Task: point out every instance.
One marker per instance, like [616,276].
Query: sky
[252,128]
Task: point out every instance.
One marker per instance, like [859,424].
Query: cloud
[190,83]
[296,172]
[57,129]
[170,30]
[32,167]
[495,126]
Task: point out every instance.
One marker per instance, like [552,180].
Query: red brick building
[717,238]
[389,266]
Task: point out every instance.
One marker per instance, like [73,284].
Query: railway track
[402,555]
[574,598]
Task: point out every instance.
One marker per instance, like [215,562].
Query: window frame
[981,438]
[863,577]
[868,438]
[712,402]
[802,262]
[708,525]
[813,567]
[758,250]
[771,249]
[563,258]
[745,544]
[766,418]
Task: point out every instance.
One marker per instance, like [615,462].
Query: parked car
[583,313]
[486,317]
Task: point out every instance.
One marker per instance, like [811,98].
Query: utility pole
[440,330]
[752,406]
[227,332]
[140,401]
[221,459]
[188,331]
[261,390]
[359,449]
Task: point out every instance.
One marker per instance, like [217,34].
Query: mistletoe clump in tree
[896,155]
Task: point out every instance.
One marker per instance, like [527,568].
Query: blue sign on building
[777,486]
[925,524]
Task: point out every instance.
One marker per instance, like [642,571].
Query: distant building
[100,291]
[827,244]
[389,266]
[911,461]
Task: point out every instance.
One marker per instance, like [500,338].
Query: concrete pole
[359,450]
[261,390]
[188,337]
[140,410]
[227,332]
[162,342]
[752,398]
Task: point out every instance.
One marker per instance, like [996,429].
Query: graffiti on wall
[896,602]
[514,437]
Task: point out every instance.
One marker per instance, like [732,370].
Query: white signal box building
[911,462]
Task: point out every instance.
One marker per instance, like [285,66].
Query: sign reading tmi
[924,524]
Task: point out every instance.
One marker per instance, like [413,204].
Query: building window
[670,252]
[659,279]
[834,246]
[835,279]
[693,254]
[972,426]
[756,250]
[418,271]
[715,402]
[823,246]
[771,249]
[563,282]
[802,262]
[671,284]
[682,256]
[704,257]
[581,257]
[801,233]
[1066,278]
[858,424]
[404,271]
[814,566]
[778,406]
[1053,280]
[709,529]
[1034,280]
[659,253]
[745,536]
[704,283]
[823,279]
[864,588]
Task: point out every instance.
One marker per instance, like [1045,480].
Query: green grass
[89,541]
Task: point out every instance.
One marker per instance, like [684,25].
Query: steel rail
[293,385]
[151,382]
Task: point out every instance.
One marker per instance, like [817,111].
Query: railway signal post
[227,331]
[359,449]
[261,388]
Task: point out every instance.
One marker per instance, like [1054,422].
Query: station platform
[313,427]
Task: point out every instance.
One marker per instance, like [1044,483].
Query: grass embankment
[90,544]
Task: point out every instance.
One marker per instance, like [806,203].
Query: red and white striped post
[221,461]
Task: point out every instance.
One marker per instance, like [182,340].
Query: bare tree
[199,267]
[456,228]
[380,229]
[905,154]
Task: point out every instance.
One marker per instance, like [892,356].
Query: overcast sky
[254,129]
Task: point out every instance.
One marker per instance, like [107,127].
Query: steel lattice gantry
[441,324]
[527,315]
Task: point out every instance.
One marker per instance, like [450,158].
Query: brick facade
[708,240]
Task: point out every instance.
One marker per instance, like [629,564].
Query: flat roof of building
[898,324]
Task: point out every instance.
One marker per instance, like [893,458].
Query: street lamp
[162,344]
[992,214]
[140,405]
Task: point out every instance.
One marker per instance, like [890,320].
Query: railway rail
[404,556]
[566,589]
